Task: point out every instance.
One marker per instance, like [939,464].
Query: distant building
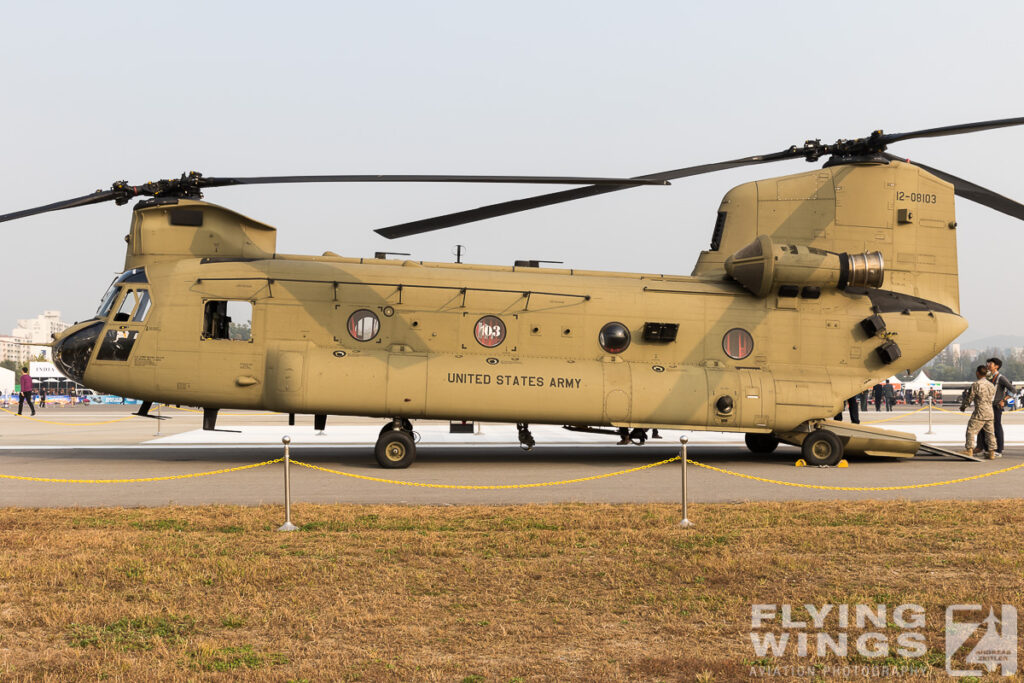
[954,350]
[38,330]
[11,349]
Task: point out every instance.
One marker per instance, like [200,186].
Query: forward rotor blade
[968,190]
[541,180]
[190,186]
[94,198]
[952,130]
[517,205]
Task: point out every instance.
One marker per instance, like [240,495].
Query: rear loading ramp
[860,439]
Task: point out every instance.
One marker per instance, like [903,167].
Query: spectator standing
[890,395]
[854,407]
[879,393]
[26,392]
[1002,385]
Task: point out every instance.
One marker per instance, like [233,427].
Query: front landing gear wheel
[395,449]
[761,443]
[822,448]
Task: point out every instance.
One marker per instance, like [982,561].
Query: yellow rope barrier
[68,424]
[466,486]
[853,488]
[894,417]
[141,479]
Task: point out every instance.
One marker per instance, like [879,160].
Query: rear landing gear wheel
[822,448]
[761,443]
[395,449]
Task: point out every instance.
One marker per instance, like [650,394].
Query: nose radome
[72,351]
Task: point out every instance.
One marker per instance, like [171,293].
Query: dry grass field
[526,593]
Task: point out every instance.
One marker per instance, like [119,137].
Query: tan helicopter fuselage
[782,341]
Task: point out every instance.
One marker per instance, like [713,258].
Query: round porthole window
[363,325]
[614,338]
[737,343]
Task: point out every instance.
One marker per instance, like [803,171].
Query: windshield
[108,301]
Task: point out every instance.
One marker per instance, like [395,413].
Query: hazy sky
[98,92]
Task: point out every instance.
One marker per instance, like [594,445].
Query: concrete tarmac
[106,442]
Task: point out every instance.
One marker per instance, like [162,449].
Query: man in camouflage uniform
[981,394]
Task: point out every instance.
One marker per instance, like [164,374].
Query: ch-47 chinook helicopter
[815,287]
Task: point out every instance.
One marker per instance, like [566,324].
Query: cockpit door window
[134,306]
[124,312]
[142,309]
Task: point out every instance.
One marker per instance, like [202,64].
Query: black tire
[761,443]
[395,449]
[822,447]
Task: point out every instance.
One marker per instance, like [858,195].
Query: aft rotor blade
[512,179]
[94,198]
[974,192]
[517,205]
[952,130]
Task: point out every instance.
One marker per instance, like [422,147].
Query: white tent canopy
[922,381]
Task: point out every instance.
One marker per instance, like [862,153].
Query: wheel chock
[800,463]
[842,463]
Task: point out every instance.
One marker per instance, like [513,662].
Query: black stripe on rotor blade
[953,130]
[518,205]
[543,180]
[974,192]
[94,198]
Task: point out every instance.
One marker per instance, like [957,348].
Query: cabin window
[737,343]
[363,325]
[228,320]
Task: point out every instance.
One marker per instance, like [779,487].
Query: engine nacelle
[762,265]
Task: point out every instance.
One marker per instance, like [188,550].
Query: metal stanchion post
[287,526]
[158,420]
[686,523]
[929,415]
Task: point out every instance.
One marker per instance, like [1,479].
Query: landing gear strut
[396,446]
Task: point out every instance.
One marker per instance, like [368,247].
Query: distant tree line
[952,369]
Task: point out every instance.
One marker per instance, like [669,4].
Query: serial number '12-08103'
[919,197]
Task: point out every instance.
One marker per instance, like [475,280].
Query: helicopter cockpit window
[142,310]
[124,312]
[134,306]
[228,320]
[117,345]
[108,301]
